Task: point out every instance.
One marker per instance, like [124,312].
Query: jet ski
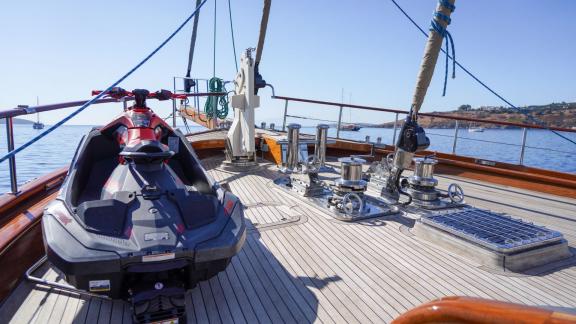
[138,218]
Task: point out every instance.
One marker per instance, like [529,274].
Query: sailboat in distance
[38,124]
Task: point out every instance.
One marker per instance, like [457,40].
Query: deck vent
[494,231]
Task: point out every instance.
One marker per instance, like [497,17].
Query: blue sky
[61,50]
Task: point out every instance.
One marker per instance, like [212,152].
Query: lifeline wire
[91,101]
[531,118]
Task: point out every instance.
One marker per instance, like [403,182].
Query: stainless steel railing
[456,137]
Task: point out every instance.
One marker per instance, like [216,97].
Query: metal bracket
[57,285]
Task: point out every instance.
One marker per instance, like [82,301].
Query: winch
[421,187]
[350,176]
[310,179]
[348,190]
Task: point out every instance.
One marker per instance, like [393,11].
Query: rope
[232,32]
[442,31]
[91,101]
[193,41]
[216,85]
[531,118]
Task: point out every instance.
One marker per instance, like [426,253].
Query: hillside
[554,115]
[22,121]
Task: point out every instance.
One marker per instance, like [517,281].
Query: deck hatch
[495,231]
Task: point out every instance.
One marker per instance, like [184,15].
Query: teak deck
[300,265]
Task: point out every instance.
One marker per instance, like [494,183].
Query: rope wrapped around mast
[438,31]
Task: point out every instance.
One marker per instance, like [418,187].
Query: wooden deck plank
[198,302]
[320,287]
[239,292]
[69,312]
[105,313]
[209,303]
[231,299]
[190,313]
[34,302]
[59,307]
[262,253]
[220,301]
[117,313]
[94,307]
[339,293]
[268,295]
[82,310]
[265,312]
[285,304]
[367,310]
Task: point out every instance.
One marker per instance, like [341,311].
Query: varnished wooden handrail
[477,310]
[398,111]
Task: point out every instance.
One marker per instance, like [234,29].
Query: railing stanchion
[174,103]
[523,147]
[285,113]
[455,138]
[12,159]
[339,122]
[395,130]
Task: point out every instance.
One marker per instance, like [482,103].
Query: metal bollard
[292,156]
[272,126]
[367,139]
[263,125]
[379,140]
[320,145]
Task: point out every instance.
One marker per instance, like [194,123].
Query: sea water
[544,149]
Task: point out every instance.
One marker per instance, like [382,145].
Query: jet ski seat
[107,216]
[98,157]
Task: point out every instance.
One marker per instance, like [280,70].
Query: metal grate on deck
[495,231]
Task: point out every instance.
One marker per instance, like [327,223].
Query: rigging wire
[531,118]
[214,47]
[232,32]
[91,101]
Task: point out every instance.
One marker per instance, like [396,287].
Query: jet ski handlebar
[119,93]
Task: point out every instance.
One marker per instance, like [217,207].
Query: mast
[412,137]
[37,114]
[432,50]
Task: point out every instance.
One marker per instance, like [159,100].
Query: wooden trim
[477,310]
[21,241]
[274,153]
[31,190]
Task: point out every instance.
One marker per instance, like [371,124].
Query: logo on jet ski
[158,236]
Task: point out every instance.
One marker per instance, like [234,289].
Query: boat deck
[301,265]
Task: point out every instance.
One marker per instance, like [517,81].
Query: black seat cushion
[197,209]
[107,216]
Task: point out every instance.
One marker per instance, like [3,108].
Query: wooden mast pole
[431,52]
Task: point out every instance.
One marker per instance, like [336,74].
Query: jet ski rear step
[147,306]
